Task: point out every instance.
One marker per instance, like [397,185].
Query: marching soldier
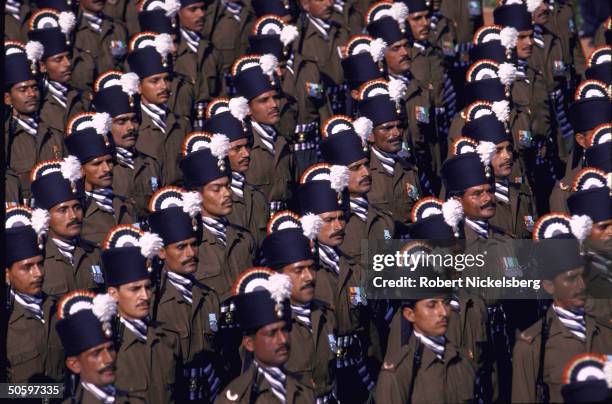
[359,68]
[15,19]
[562,23]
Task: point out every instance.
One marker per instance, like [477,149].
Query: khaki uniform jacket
[251,212]
[23,151]
[562,23]
[82,396]
[97,222]
[252,388]
[12,188]
[427,68]
[17,30]
[444,38]
[600,34]
[34,350]
[379,225]
[518,217]
[437,381]
[203,69]
[562,191]
[220,266]
[228,36]
[394,194]
[55,115]
[165,148]
[182,97]
[465,18]
[561,346]
[124,11]
[148,369]
[84,72]
[137,185]
[61,277]
[99,44]
[312,356]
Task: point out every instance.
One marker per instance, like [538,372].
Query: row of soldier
[256,153]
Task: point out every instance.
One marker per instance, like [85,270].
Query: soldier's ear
[305,5]
[548,286]
[73,364]
[8,100]
[6,276]
[113,292]
[248,342]
[581,139]
[162,253]
[42,67]
[408,313]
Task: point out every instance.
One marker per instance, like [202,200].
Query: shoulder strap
[416,364]
[541,387]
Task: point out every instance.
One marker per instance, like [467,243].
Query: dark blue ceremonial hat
[379,109]
[257,309]
[59,5]
[201,167]
[601,72]
[414,6]
[226,124]
[172,224]
[593,202]
[275,7]
[19,70]
[492,50]
[115,102]
[285,247]
[463,171]
[484,90]
[156,21]
[587,391]
[359,69]
[252,82]
[318,197]
[49,186]
[86,145]
[555,256]
[598,156]
[513,15]
[52,39]
[124,265]
[431,228]
[388,29]
[343,148]
[588,113]
[185,3]
[20,243]
[488,129]
[266,44]
[147,62]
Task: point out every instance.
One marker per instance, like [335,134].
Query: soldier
[28,141]
[34,352]
[287,250]
[149,353]
[359,68]
[542,350]
[102,36]
[71,262]
[365,221]
[161,132]
[136,176]
[271,169]
[225,248]
[181,302]
[87,140]
[251,209]
[562,23]
[15,18]
[264,318]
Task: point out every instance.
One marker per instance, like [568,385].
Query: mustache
[107,368]
[338,233]
[75,221]
[192,260]
[364,179]
[488,205]
[309,285]
[164,92]
[129,134]
[142,303]
[283,346]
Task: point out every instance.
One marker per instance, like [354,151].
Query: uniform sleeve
[524,374]
[388,389]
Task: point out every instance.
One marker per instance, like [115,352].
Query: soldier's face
[125,130]
[26,276]
[601,230]
[479,202]
[319,8]
[397,57]
[94,6]
[332,229]
[66,220]
[239,155]
[133,299]
[95,365]
[388,136]
[524,44]
[23,97]
[429,316]
[192,16]
[567,289]
[98,172]
[181,257]
[58,67]
[217,198]
[270,344]
[265,108]
[541,14]
[302,274]
[503,159]
[155,89]
[360,180]
[419,24]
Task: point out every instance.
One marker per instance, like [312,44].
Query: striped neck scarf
[502,191]
[157,113]
[454,303]
[65,248]
[125,157]
[538,35]
[105,394]
[30,125]
[329,258]
[13,7]
[421,45]
[104,198]
[57,90]
[302,312]
[406,77]
[138,328]
[233,7]
[521,70]
[386,159]
[339,6]
[218,227]
[237,184]
[435,344]
[277,379]
[182,283]
[481,227]
[321,26]
[449,98]
[94,21]
[267,134]
[33,304]
[192,39]
[359,206]
[573,320]
[558,98]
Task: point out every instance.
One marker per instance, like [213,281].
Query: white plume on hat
[339,177]
[129,83]
[397,90]
[34,51]
[172,7]
[102,123]
[104,307]
[268,63]
[239,107]
[66,21]
[399,12]
[150,244]
[506,73]
[363,127]
[486,150]
[377,49]
[532,5]
[70,168]
[289,34]
[279,286]
[40,221]
[510,2]
[452,211]
[508,37]
[581,226]
[219,145]
[311,225]
[163,44]
[192,203]
[608,372]
[501,109]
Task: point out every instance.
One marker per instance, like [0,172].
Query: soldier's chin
[487,213]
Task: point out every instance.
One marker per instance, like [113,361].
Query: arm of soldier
[207,85]
[524,371]
[389,389]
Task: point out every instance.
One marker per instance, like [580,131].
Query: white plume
[510,2]
[363,126]
[192,203]
[149,244]
[66,22]
[104,307]
[397,90]
[581,226]
[163,44]
[485,150]
[311,225]
[399,12]
[34,50]
[377,49]
[289,34]
[70,168]
[501,110]
[172,7]
[339,177]
[219,146]
[129,83]
[279,286]
[268,63]
[239,107]
[608,372]
[508,37]
[452,211]
[532,5]
[506,73]
[40,221]
[102,123]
